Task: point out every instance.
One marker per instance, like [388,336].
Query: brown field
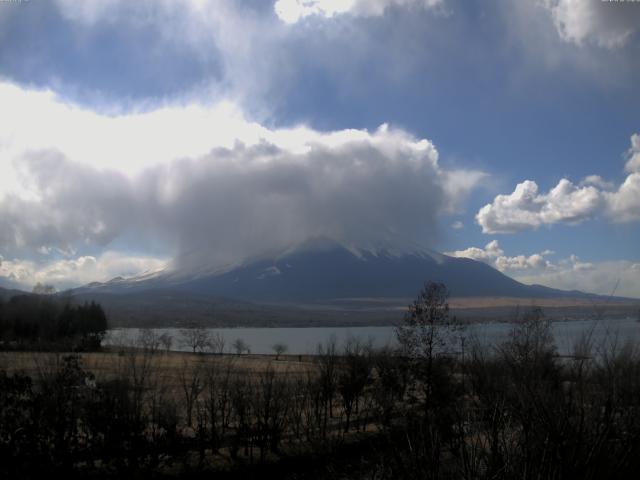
[106,364]
[169,372]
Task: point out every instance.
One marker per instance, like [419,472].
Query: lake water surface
[306,340]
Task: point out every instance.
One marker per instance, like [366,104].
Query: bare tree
[240,346]
[217,343]
[427,331]
[191,383]
[241,391]
[271,403]
[218,404]
[354,376]
[392,379]
[531,340]
[327,379]
[149,340]
[137,375]
[196,338]
[279,349]
[166,340]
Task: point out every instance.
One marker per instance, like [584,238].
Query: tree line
[47,321]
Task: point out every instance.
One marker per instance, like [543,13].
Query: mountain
[323,282]
[324,271]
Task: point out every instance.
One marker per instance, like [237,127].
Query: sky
[136,136]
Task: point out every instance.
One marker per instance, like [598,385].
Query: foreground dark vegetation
[46,322]
[439,407]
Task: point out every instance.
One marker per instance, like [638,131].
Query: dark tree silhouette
[26,319]
[279,349]
[426,332]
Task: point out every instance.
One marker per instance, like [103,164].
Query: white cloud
[567,274]
[38,120]
[457,225]
[603,23]
[89,12]
[525,208]
[633,164]
[196,178]
[67,273]
[523,262]
[130,143]
[490,252]
[597,181]
[493,255]
[292,11]
[624,205]
[598,277]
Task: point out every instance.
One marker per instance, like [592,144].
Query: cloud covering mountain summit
[269,189]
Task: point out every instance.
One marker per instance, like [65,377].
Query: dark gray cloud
[67,203]
[378,189]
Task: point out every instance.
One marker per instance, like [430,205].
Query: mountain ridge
[322,270]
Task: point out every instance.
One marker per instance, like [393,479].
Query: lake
[306,340]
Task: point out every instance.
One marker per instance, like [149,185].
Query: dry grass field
[168,367]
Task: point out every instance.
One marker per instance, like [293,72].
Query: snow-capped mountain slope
[322,270]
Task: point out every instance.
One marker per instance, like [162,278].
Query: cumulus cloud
[569,273]
[602,23]
[492,254]
[526,208]
[292,11]
[66,273]
[597,181]
[491,251]
[624,205]
[238,188]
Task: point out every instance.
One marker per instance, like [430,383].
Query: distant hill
[7,293]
